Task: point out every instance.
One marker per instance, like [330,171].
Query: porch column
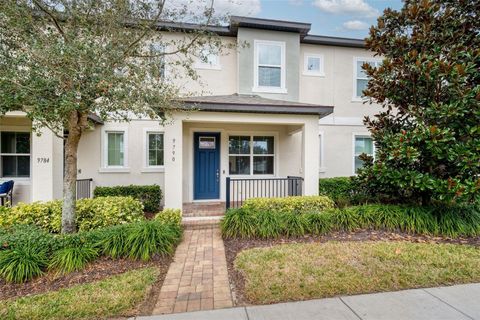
[173,164]
[311,152]
[47,166]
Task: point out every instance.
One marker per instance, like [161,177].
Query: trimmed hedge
[91,213]
[170,216]
[27,251]
[449,221]
[150,196]
[297,204]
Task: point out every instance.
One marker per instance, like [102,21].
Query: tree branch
[52,17]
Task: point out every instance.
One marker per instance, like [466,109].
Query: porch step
[207,209]
[201,222]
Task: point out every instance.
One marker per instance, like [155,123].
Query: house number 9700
[43,160]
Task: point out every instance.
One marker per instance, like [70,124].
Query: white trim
[256,87]
[146,168]
[320,72]
[365,134]
[322,168]
[252,134]
[341,121]
[17,129]
[104,168]
[356,98]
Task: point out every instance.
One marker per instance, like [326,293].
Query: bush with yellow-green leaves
[91,213]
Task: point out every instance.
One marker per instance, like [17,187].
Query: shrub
[150,196]
[239,223]
[91,213]
[298,205]
[450,221]
[107,211]
[71,259]
[170,216]
[19,236]
[148,238]
[22,263]
[338,189]
[114,241]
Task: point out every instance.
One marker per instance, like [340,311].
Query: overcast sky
[343,18]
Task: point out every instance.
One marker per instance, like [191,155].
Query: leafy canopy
[105,57]
[428,133]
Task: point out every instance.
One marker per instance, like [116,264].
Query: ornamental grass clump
[71,259]
[22,263]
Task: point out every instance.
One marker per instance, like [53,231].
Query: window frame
[105,167]
[16,155]
[376,61]
[320,72]
[146,157]
[356,135]
[251,155]
[163,58]
[199,64]
[256,55]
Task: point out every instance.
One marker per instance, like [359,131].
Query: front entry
[206,165]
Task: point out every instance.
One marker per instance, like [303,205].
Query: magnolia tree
[428,134]
[62,61]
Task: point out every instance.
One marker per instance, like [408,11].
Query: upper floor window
[208,59]
[363,144]
[361,78]
[157,50]
[15,154]
[269,72]
[313,65]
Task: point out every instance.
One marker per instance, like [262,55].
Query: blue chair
[6,192]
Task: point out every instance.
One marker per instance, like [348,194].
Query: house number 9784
[173,150]
[43,160]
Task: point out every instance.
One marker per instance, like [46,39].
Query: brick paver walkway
[197,278]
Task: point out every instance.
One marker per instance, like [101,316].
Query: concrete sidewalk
[444,303]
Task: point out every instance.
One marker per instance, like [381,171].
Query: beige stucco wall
[91,157]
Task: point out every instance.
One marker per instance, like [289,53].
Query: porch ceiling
[253,104]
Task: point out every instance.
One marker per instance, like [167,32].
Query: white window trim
[20,130]
[105,168]
[322,168]
[166,71]
[319,73]
[146,167]
[360,135]
[256,87]
[199,64]
[251,155]
[356,98]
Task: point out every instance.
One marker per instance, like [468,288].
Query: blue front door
[206,165]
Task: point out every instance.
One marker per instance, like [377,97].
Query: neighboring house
[287,104]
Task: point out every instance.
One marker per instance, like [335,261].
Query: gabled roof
[253,104]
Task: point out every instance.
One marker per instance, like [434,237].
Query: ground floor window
[363,144]
[115,149]
[15,154]
[251,155]
[155,149]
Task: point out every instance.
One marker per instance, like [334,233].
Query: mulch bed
[234,246]
[99,269]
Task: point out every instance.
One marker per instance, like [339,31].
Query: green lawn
[113,296]
[306,271]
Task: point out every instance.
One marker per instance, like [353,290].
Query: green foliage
[114,241]
[91,213]
[427,135]
[18,236]
[21,263]
[298,205]
[170,216]
[150,196]
[239,223]
[344,191]
[71,259]
[448,221]
[148,238]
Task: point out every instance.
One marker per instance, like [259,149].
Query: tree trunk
[76,124]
